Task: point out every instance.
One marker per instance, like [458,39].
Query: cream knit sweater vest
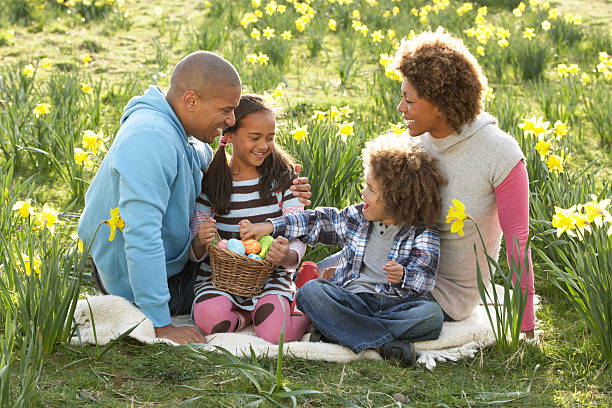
[475,161]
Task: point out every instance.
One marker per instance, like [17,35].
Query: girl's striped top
[245,203]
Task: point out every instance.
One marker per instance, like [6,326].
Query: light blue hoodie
[153,174]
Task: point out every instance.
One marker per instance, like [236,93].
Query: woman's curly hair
[409,178]
[444,72]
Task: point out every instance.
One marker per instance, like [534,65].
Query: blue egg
[236,246]
[255,256]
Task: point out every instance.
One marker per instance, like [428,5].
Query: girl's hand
[278,251]
[395,271]
[300,187]
[255,231]
[207,231]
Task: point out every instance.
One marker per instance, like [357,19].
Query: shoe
[307,272]
[399,350]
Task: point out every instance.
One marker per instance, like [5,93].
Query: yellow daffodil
[28,70]
[41,109]
[74,237]
[158,11]
[252,58]
[114,222]
[86,59]
[255,34]
[277,93]
[529,33]
[256,3]
[346,111]
[585,78]
[24,207]
[300,133]
[546,25]
[555,163]
[271,8]
[560,129]
[81,156]
[543,148]
[300,24]
[46,63]
[503,43]
[332,24]
[395,10]
[553,13]
[480,50]
[268,33]
[346,130]
[318,115]
[47,218]
[29,265]
[356,15]
[517,12]
[286,35]
[377,36]
[262,58]
[86,88]
[334,113]
[597,211]
[456,215]
[397,129]
[564,220]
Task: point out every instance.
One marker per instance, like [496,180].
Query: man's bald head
[205,73]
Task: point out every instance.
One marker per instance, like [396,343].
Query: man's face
[214,113]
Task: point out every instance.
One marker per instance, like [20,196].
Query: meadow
[70,66]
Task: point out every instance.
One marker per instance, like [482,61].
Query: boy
[378,297]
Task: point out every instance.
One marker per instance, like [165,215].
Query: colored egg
[222,243]
[254,256]
[235,246]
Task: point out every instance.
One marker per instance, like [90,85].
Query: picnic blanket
[113,315]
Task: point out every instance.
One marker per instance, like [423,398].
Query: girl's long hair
[275,173]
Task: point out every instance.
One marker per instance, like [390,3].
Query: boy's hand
[300,187]
[327,273]
[278,250]
[395,271]
[255,231]
[207,231]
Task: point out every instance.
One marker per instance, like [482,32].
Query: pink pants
[218,314]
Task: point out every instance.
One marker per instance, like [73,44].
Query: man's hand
[279,253]
[395,271]
[300,187]
[255,231]
[181,334]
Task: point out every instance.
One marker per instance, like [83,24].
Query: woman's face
[421,115]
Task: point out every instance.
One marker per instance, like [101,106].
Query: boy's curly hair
[444,72]
[409,178]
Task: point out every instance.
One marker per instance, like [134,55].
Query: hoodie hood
[482,120]
[153,99]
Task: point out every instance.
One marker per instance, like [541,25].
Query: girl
[254,185]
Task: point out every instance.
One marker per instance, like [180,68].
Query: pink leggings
[512,197]
[218,314]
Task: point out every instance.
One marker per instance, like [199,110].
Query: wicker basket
[238,274]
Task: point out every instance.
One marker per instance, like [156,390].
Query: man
[153,174]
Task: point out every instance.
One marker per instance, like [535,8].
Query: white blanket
[114,315]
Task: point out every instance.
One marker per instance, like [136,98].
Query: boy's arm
[421,263]
[324,225]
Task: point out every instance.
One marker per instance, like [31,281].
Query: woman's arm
[512,197]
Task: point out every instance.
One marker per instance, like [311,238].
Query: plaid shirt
[416,248]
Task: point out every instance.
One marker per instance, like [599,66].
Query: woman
[442,96]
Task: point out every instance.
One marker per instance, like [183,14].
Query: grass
[571,372]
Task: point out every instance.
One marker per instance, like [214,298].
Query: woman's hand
[300,187]
[279,253]
[395,271]
[255,231]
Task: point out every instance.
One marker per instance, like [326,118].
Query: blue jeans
[363,320]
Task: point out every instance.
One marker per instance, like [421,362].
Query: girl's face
[253,141]
[420,115]
[372,195]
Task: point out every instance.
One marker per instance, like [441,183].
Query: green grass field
[133,44]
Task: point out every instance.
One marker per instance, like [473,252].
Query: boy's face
[372,195]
